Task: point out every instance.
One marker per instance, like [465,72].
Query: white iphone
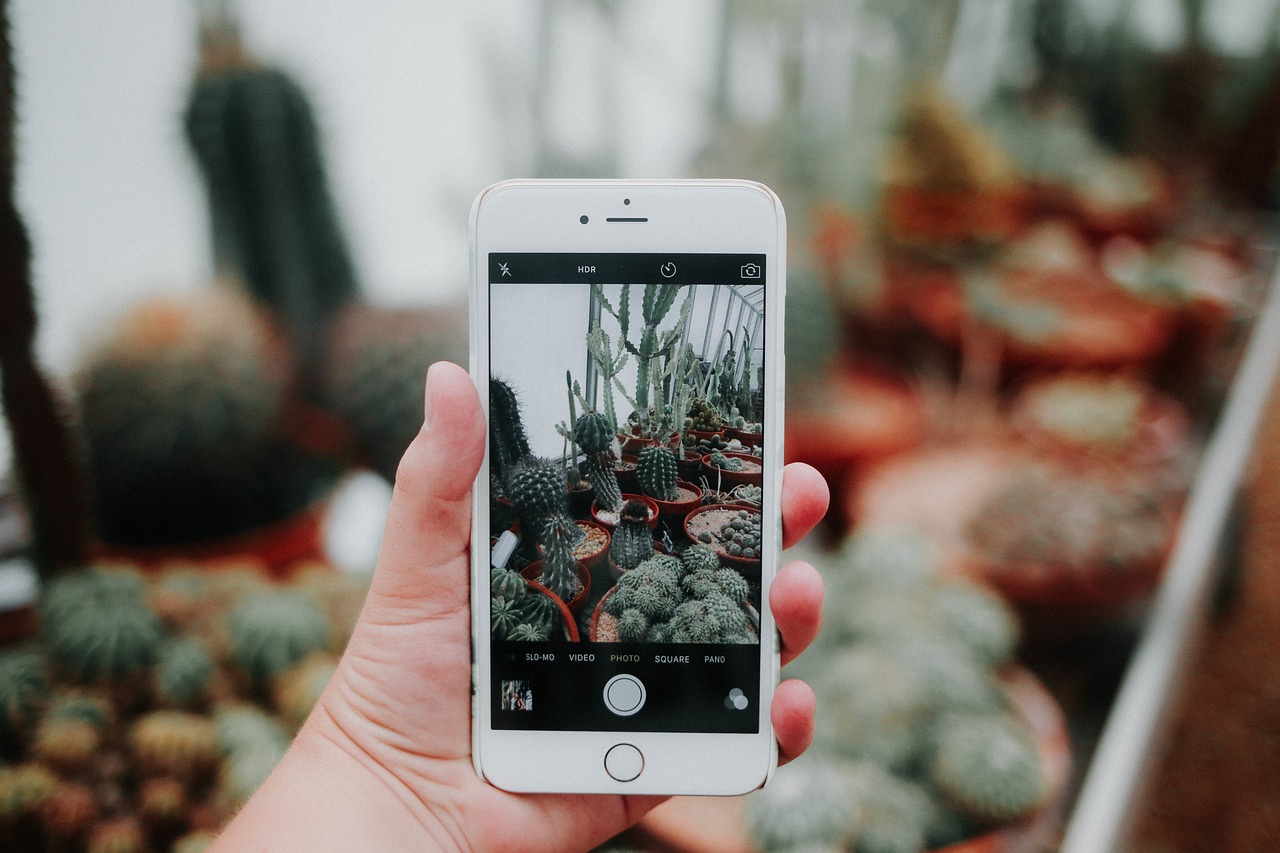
[627,518]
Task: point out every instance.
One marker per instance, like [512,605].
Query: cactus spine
[656,470]
[595,436]
[632,543]
[508,443]
[558,573]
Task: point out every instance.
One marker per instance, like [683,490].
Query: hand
[384,761]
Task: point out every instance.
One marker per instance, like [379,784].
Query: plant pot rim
[570,624]
[654,514]
[533,570]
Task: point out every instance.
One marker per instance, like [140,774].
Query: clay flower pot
[689,500]
[734,478]
[609,519]
[533,571]
[570,624]
[709,519]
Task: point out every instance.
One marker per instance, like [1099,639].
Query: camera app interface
[625,491]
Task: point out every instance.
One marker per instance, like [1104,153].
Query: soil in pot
[533,572]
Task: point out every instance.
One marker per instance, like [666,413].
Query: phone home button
[623,762]
[624,695]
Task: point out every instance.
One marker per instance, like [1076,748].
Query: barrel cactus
[540,493]
[299,689]
[24,789]
[987,768]
[92,645]
[506,585]
[184,673]
[270,633]
[656,471]
[704,417]
[65,744]
[253,745]
[632,541]
[809,805]
[174,743]
[23,691]
[594,435]
[714,619]
[653,588]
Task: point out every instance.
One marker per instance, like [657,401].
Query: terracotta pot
[593,557]
[634,444]
[717,824]
[281,548]
[580,500]
[749,567]
[570,624]
[700,434]
[733,478]
[626,474]
[598,616]
[533,571]
[681,508]
[626,496]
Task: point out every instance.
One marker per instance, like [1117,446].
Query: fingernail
[427,408]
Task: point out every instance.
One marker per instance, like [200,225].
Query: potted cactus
[632,541]
[526,611]
[656,471]
[732,532]
[733,469]
[558,571]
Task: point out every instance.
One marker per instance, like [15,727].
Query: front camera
[584,219]
[626,201]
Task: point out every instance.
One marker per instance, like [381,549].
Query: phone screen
[594,360]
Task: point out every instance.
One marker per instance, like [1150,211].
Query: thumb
[428,528]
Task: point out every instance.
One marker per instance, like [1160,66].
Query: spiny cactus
[987,768]
[95,645]
[725,463]
[809,805]
[65,744]
[883,558]
[270,633]
[633,626]
[23,690]
[184,672]
[527,616]
[504,615]
[976,618]
[251,129]
[558,574]
[118,835]
[656,471]
[174,743]
[182,410]
[541,614]
[82,707]
[527,633]
[653,588]
[594,435]
[632,541]
[506,585]
[703,416]
[104,588]
[24,789]
[508,443]
[375,370]
[896,813]
[874,707]
[69,812]
[742,535]
[540,493]
[697,558]
[244,728]
[300,688]
[162,802]
[714,619]
[951,677]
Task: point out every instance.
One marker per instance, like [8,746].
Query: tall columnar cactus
[251,129]
[558,573]
[270,633]
[656,302]
[508,443]
[595,436]
[656,471]
[183,410]
[632,541]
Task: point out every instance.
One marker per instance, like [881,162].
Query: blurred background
[1032,338]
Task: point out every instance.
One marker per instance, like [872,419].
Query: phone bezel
[696,216]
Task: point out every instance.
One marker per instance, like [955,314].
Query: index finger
[804,501]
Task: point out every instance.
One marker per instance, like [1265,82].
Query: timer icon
[668,269]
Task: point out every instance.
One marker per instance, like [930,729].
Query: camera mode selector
[624,695]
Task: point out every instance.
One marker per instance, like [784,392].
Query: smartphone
[627,517]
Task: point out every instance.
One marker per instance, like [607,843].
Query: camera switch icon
[736,700]
[751,270]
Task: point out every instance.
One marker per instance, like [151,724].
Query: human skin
[384,760]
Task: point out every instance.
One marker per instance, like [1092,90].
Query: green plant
[540,494]
[715,618]
[632,541]
[558,564]
[508,444]
[251,129]
[506,585]
[594,435]
[253,745]
[117,835]
[174,743]
[65,744]
[269,633]
[23,691]
[633,626]
[24,789]
[183,413]
[704,417]
[656,471]
[742,535]
[81,707]
[809,805]
[108,643]
[655,302]
[520,613]
[195,842]
[184,672]
[652,588]
[375,367]
[987,768]
[726,463]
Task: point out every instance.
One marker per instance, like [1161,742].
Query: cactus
[251,130]
[632,541]
[527,633]
[725,463]
[987,768]
[539,492]
[697,558]
[978,619]
[184,673]
[82,707]
[506,585]
[809,805]
[272,632]
[96,644]
[742,535]
[951,677]
[703,416]
[375,368]
[162,803]
[65,744]
[896,813]
[118,835]
[24,789]
[656,302]
[69,812]
[656,471]
[558,565]
[182,410]
[874,707]
[594,435]
[713,619]
[23,690]
[504,616]
[653,588]
[243,729]
[633,626]
[174,743]
[889,559]
[300,688]
[508,443]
